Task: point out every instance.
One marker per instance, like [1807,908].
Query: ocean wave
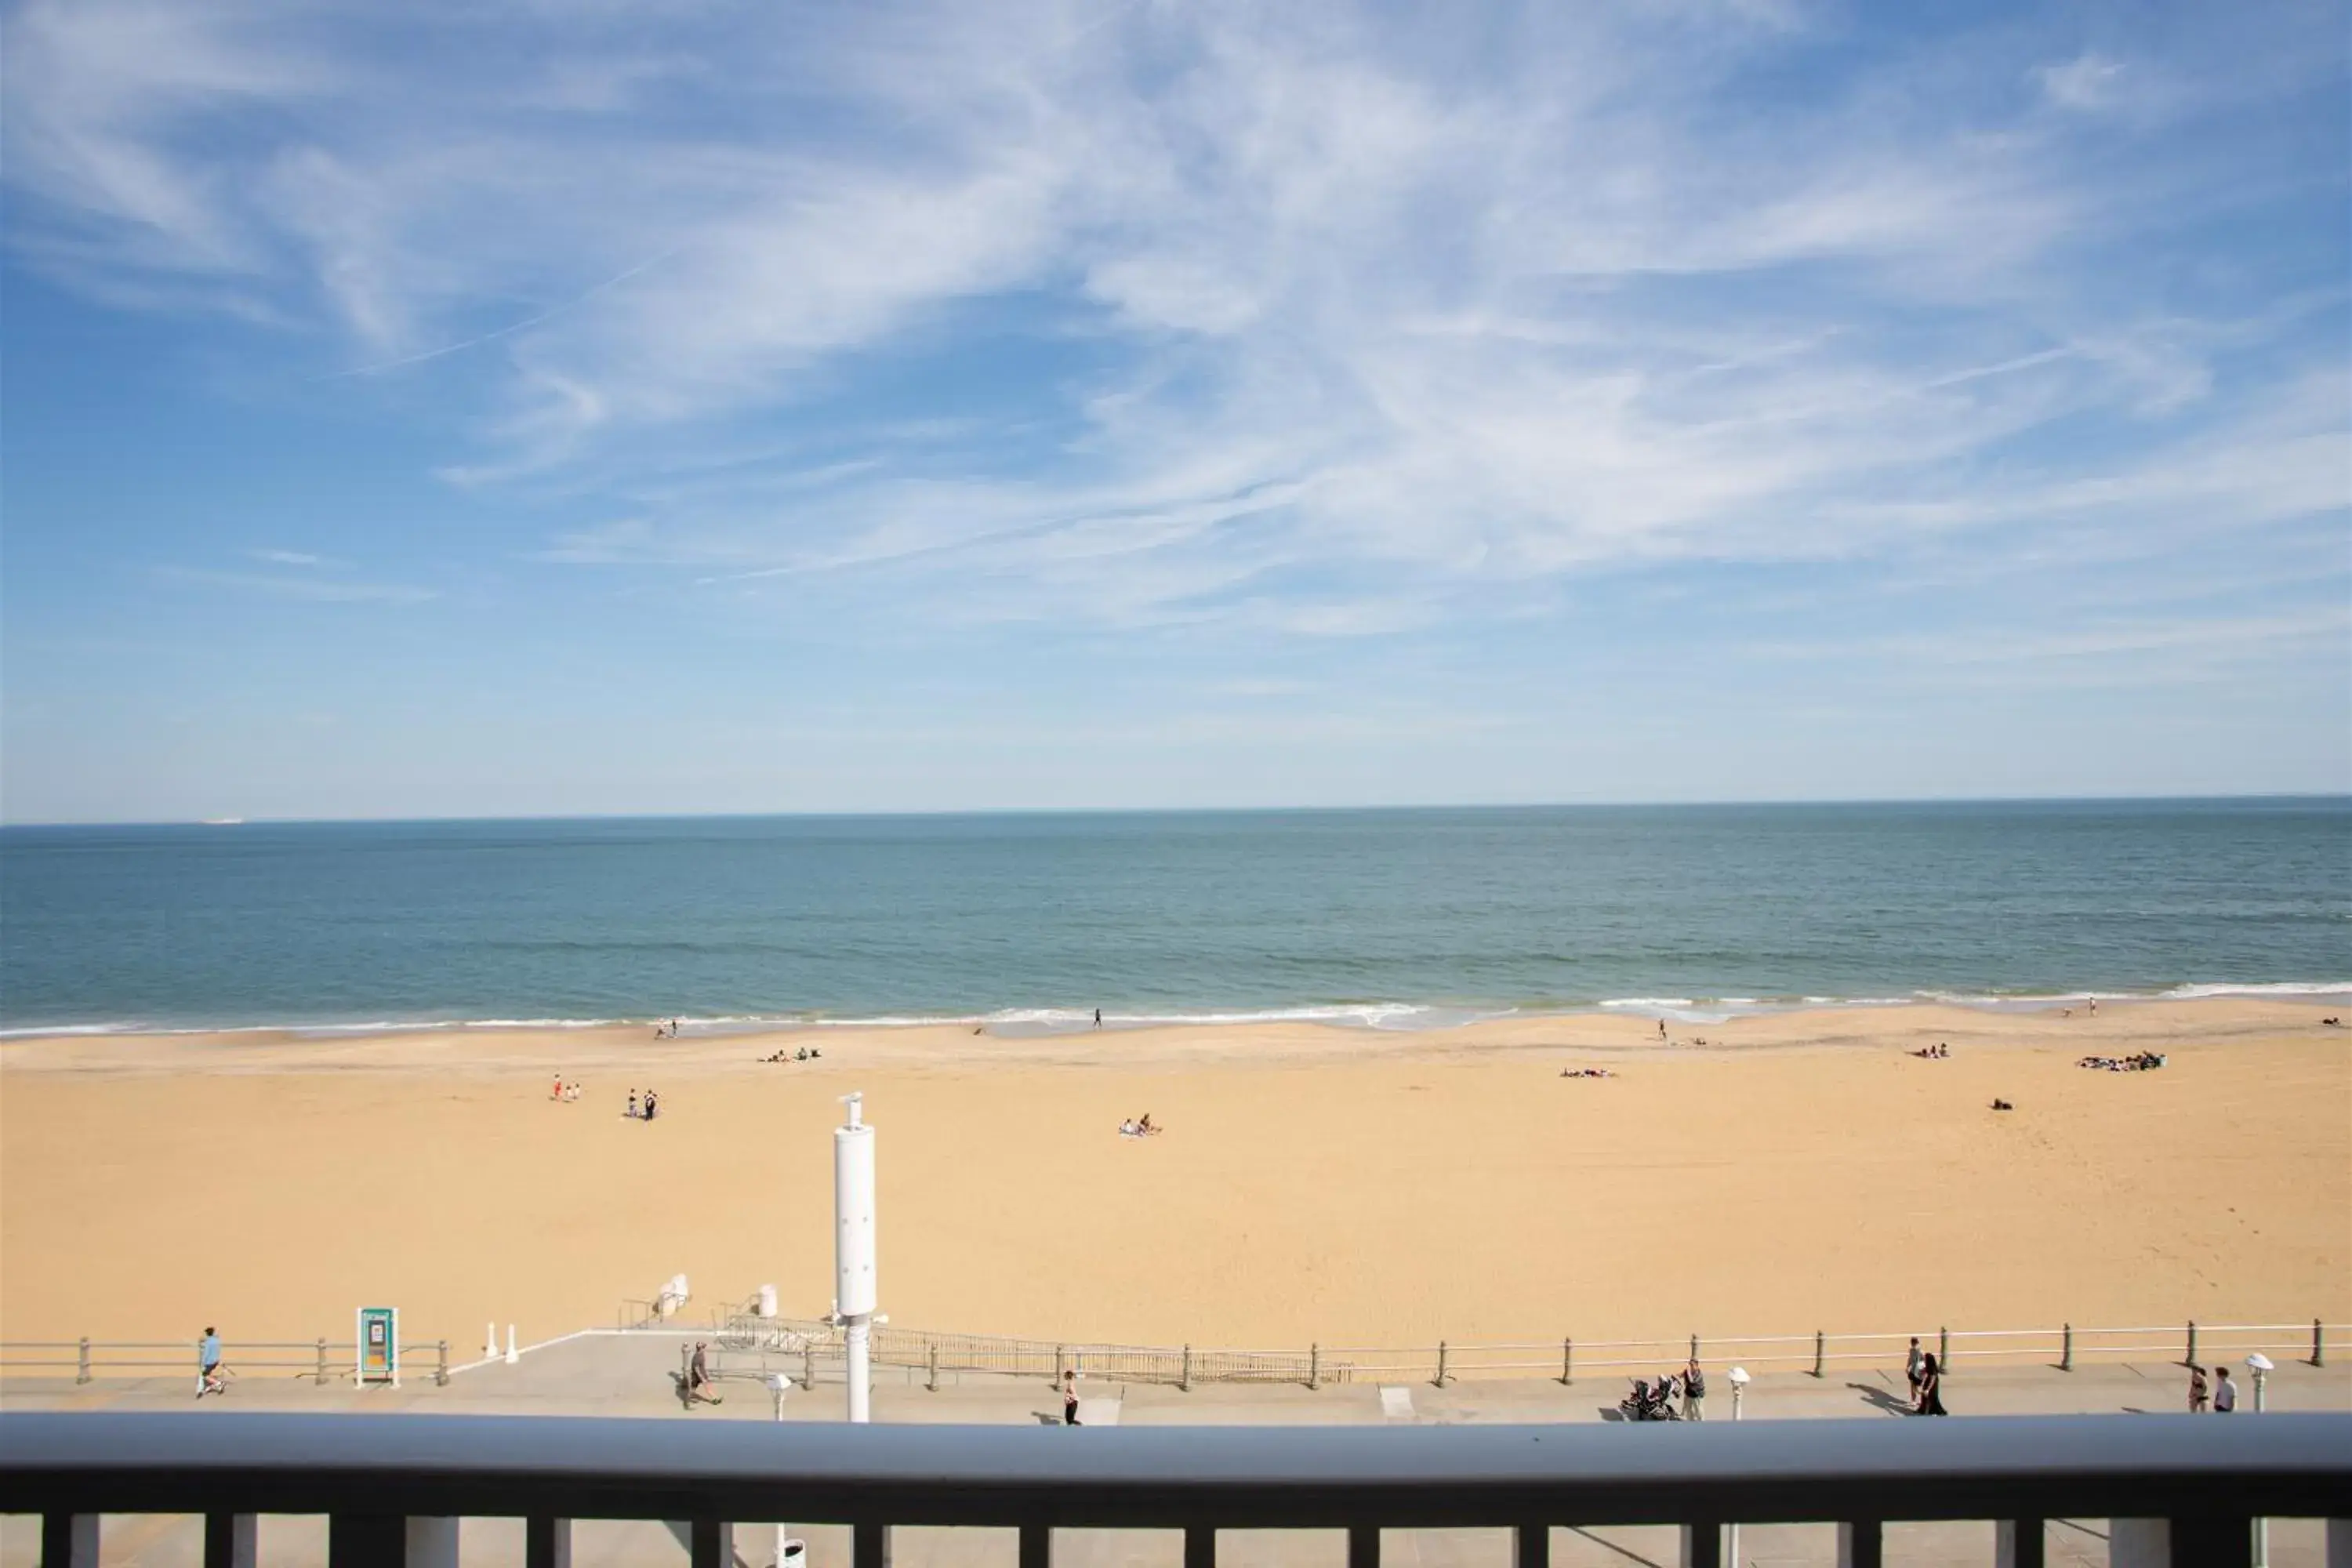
[1377,1015]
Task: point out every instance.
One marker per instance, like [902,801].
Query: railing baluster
[1531,1546]
[1702,1546]
[1364,1546]
[432,1543]
[546,1542]
[1858,1544]
[1036,1546]
[230,1540]
[1199,1547]
[69,1541]
[2017,1544]
[367,1540]
[714,1543]
[869,1544]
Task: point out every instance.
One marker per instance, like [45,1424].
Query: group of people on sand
[1586,1072]
[565,1090]
[2141,1061]
[1141,1127]
[2223,1394]
[803,1055]
[647,1110]
[1938,1052]
[666,1031]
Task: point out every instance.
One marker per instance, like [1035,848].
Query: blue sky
[435,409]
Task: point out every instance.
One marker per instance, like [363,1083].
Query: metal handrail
[1196,1478]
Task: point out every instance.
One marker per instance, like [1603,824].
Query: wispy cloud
[309,588]
[1319,321]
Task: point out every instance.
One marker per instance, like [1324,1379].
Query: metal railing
[2063,1347]
[320,1360]
[392,1488]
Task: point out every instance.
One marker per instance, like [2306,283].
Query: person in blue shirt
[208,1356]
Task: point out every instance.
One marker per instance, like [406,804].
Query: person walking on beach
[1070,1398]
[1662,1028]
[1931,1387]
[1694,1392]
[1097,1018]
[1915,1366]
[2225,1392]
[2197,1400]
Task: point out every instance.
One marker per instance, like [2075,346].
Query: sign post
[379,1331]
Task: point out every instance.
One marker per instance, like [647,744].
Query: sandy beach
[1795,1171]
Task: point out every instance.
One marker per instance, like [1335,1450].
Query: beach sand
[1799,1172]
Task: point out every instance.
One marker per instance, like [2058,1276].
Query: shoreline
[522,1047]
[1375,1018]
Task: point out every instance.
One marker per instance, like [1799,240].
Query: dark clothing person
[1070,1399]
[1931,1387]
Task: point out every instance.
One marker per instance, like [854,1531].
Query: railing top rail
[1989,1466]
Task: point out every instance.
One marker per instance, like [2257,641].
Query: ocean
[1386,918]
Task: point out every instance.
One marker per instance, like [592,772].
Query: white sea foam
[1380,1015]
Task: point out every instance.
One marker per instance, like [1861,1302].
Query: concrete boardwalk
[635,1375]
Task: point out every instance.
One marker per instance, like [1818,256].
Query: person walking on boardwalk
[1931,1386]
[1694,1392]
[2197,1400]
[2225,1392]
[1070,1398]
[697,1378]
[208,1364]
[1915,1363]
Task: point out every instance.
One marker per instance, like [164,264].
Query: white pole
[512,1354]
[1738,1376]
[855,1291]
[490,1342]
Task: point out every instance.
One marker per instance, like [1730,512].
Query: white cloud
[1375,312]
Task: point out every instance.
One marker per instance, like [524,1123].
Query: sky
[434,409]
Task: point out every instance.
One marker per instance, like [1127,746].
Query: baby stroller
[1648,1403]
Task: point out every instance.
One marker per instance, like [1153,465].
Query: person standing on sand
[1070,1398]
[632,1105]
[2225,1392]
[1097,1018]
[2197,1400]
[1662,1028]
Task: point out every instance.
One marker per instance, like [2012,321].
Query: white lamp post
[2260,1365]
[1739,1376]
[790,1554]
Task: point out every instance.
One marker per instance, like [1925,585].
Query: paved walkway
[635,1376]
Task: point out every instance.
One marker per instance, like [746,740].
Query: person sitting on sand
[1143,1125]
[1128,1129]
[2002,1105]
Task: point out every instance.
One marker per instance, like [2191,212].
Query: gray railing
[2064,1347]
[393,1488]
[318,1360]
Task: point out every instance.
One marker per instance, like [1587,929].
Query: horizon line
[819,814]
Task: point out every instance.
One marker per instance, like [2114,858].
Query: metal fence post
[1943,1350]
[1440,1363]
[1061,1365]
[81,1369]
[1567,1362]
[2318,1345]
[2190,1359]
[1694,1347]
[1315,1366]
[1184,1380]
[808,1363]
[1820,1351]
[2066,1350]
[441,1374]
[935,1366]
[322,1363]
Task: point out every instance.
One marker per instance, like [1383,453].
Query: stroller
[1648,1403]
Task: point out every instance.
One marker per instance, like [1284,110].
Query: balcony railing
[2183,1490]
